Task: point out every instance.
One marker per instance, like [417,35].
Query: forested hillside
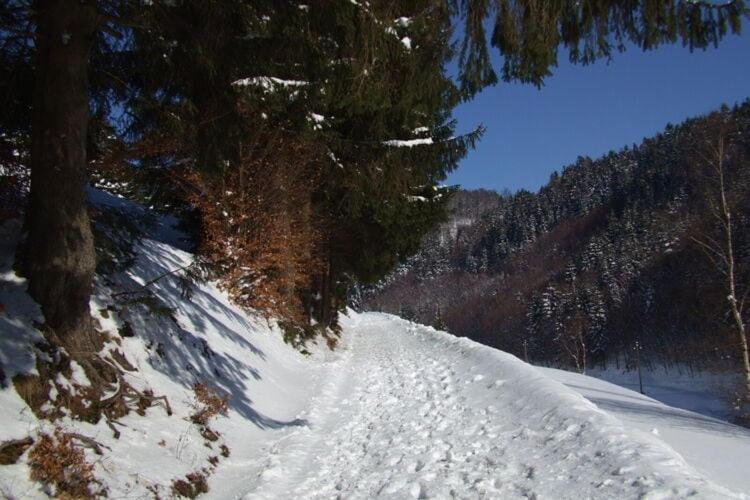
[613,257]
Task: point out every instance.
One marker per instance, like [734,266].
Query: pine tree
[339,78]
[58,256]
[529,34]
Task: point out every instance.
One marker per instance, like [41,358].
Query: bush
[56,461]
[260,228]
[210,403]
[193,485]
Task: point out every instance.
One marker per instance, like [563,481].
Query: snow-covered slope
[398,411]
[175,344]
[714,447]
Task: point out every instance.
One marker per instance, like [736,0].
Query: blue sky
[590,110]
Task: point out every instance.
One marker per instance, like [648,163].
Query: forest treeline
[607,261]
[303,144]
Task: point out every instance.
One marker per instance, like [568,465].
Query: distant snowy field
[717,449]
[700,391]
[398,411]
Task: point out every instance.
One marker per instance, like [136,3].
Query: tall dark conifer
[59,253]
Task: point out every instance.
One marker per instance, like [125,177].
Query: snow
[414,198]
[399,410]
[409,143]
[317,120]
[414,413]
[715,448]
[403,22]
[16,340]
[209,340]
[704,392]
[334,159]
[268,83]
[405,41]
[78,375]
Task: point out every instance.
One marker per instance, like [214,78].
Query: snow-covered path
[407,412]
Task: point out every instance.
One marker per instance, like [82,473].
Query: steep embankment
[168,343]
[399,411]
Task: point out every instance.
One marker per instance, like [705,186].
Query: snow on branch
[268,83]
[409,143]
[467,139]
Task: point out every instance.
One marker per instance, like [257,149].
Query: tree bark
[726,215]
[59,258]
[721,251]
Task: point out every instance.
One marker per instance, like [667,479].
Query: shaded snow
[704,392]
[16,339]
[207,339]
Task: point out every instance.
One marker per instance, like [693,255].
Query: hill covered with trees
[615,256]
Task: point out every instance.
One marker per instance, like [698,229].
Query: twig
[115,432]
[90,443]
[151,282]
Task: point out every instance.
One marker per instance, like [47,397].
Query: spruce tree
[58,256]
[529,34]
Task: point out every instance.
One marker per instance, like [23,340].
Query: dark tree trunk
[324,304]
[59,258]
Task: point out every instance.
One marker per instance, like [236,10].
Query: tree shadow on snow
[672,417]
[17,312]
[177,340]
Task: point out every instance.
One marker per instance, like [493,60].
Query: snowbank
[714,447]
[175,344]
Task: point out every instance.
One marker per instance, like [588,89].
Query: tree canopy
[306,141]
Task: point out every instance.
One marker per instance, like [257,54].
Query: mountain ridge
[606,247]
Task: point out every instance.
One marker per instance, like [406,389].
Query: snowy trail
[413,413]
